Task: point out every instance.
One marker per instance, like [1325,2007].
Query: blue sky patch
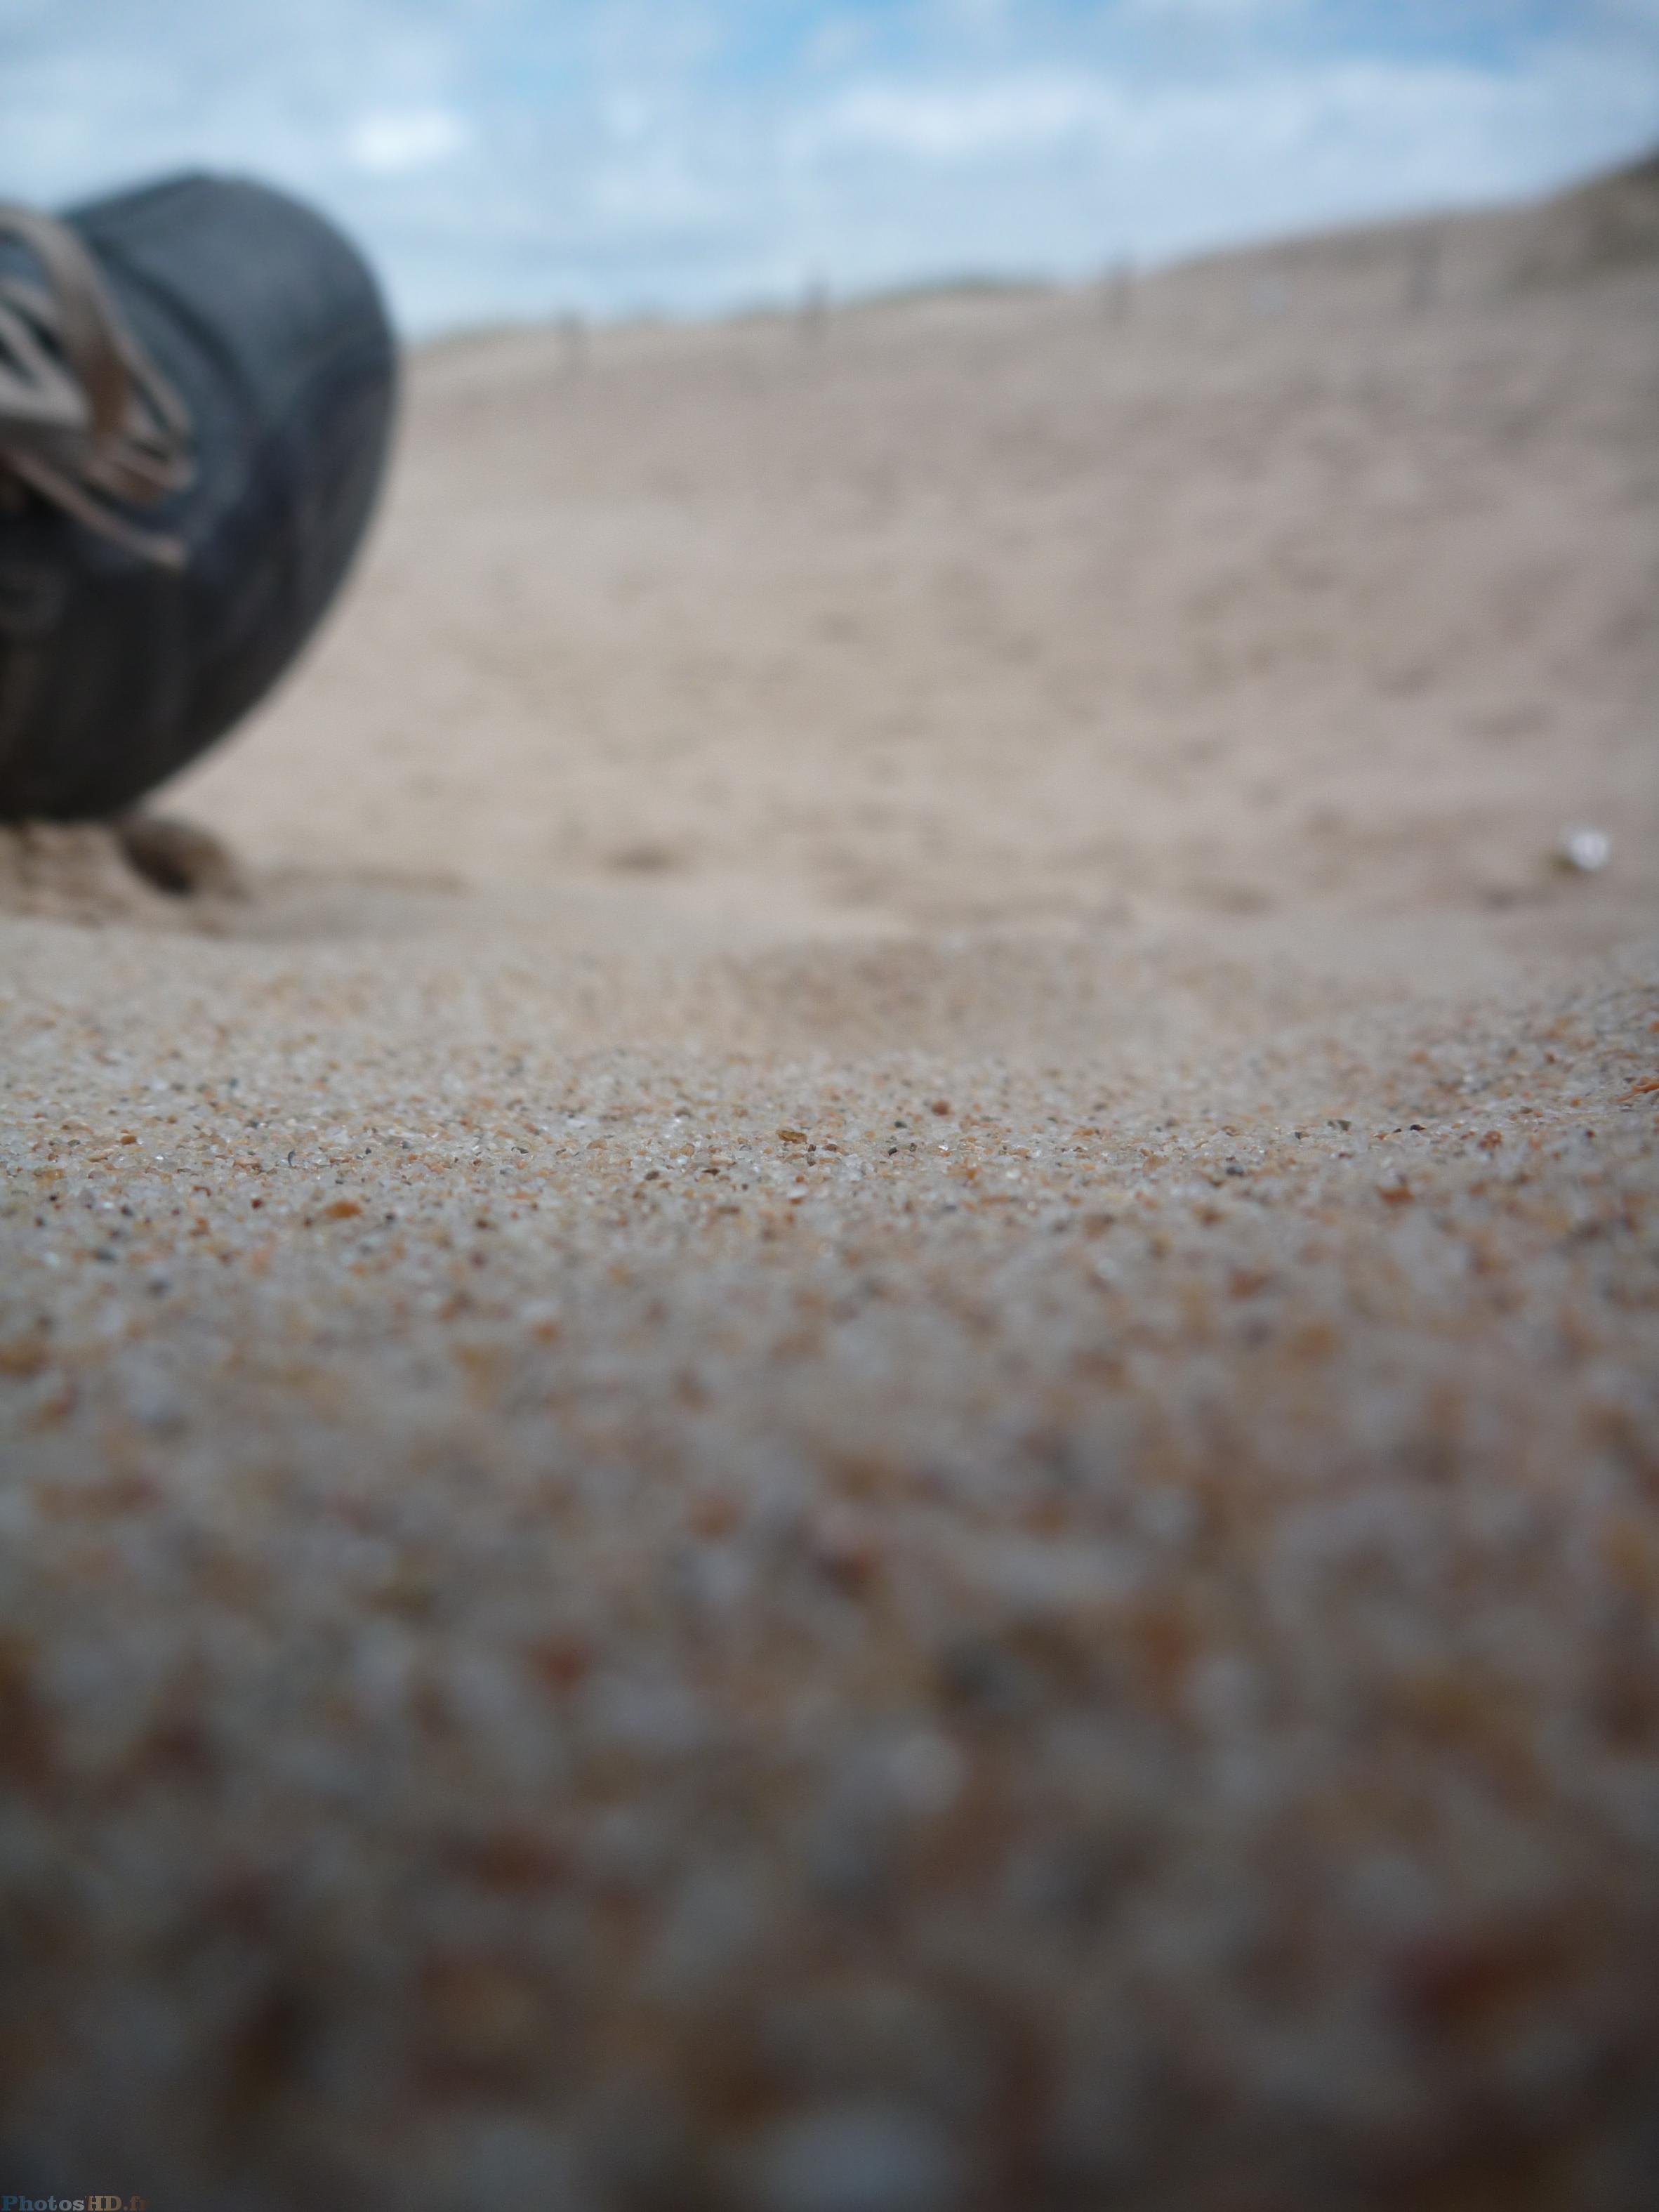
[508,158]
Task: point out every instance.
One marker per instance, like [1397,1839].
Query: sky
[502,159]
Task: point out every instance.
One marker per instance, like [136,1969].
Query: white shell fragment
[1584,850]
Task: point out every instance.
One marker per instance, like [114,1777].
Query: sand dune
[853,1409]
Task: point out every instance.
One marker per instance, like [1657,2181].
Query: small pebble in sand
[178,858]
[1583,851]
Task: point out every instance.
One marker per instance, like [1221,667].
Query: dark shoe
[195,408]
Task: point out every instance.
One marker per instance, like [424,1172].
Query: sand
[847,1401]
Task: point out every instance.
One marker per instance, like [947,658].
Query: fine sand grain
[851,1403]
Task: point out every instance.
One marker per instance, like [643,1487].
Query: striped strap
[86,418]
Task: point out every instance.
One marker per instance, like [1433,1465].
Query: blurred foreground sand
[857,1413]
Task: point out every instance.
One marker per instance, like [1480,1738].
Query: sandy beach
[845,1396]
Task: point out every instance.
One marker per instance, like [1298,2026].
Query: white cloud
[963,123]
[390,141]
